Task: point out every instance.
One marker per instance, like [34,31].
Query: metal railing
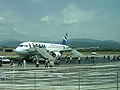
[61,78]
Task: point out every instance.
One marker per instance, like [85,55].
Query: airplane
[25,47]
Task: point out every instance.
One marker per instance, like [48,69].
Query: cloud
[20,31]
[72,12]
[2,18]
[71,22]
[10,18]
[26,21]
[3,34]
[15,29]
[10,21]
[47,19]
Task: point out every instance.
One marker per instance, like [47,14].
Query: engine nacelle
[56,54]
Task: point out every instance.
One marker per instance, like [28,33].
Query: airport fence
[61,78]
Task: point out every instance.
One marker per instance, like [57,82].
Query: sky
[51,19]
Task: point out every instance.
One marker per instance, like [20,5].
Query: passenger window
[44,46]
[36,45]
[25,45]
[40,46]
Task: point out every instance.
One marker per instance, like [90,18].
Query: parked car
[4,59]
[93,55]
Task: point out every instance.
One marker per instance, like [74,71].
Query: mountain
[85,43]
[77,43]
[10,43]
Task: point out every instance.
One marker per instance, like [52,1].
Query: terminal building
[6,49]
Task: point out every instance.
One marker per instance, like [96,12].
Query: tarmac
[102,75]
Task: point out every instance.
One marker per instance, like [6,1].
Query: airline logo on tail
[65,38]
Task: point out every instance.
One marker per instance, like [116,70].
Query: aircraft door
[30,45]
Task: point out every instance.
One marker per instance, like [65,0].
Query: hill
[85,43]
[10,43]
[77,43]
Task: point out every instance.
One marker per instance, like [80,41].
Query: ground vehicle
[93,54]
[4,59]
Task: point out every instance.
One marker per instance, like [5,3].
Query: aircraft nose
[18,50]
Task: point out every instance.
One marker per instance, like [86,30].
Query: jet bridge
[43,52]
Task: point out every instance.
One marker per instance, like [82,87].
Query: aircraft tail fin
[65,38]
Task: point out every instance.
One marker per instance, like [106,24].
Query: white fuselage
[24,48]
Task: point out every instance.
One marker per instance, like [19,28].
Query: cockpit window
[5,58]
[23,45]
